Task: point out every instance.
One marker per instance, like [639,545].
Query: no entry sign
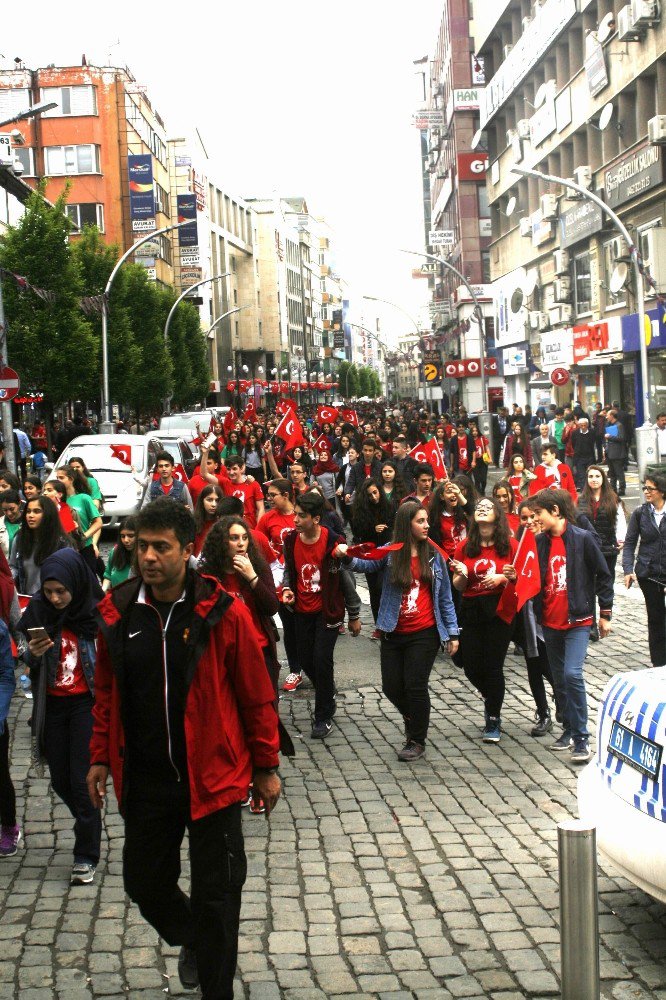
[9,383]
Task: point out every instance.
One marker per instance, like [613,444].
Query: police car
[623,789]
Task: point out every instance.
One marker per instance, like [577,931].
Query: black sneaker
[411,751]
[544,724]
[581,752]
[594,633]
[321,730]
[565,742]
[82,874]
[188,972]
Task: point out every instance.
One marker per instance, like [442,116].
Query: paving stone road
[433,880]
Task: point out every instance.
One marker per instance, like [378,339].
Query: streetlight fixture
[374,298]
[106,427]
[646,435]
[36,109]
[187,291]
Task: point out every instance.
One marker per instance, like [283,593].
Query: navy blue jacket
[651,559]
[587,573]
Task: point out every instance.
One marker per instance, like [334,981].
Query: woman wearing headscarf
[60,625]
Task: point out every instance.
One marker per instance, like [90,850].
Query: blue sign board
[630,338]
[187,209]
[141,188]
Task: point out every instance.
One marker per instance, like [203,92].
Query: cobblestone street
[372,879]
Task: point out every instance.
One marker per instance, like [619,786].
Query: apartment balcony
[324,270]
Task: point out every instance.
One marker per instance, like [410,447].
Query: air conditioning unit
[572,194]
[537,6]
[526,23]
[644,13]
[534,320]
[560,314]
[626,32]
[562,289]
[544,321]
[524,128]
[526,226]
[583,176]
[511,134]
[159,205]
[561,261]
[657,130]
[506,51]
[548,206]
[619,250]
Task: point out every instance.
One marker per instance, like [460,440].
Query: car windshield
[99,457]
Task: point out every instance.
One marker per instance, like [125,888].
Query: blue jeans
[566,650]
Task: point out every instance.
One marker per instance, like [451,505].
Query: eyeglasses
[650,489]
[484,507]
[272,495]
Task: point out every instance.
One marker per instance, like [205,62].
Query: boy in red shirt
[249,492]
[552,475]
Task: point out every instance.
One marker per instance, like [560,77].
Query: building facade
[571,90]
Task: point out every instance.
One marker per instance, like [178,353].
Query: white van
[185,424]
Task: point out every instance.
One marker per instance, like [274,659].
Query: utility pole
[7,422]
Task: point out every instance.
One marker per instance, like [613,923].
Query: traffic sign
[559,376]
[9,383]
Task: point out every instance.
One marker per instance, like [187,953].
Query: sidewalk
[372,879]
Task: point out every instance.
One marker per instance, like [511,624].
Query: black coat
[587,573]
[651,559]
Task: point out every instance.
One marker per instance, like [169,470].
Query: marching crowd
[161,670]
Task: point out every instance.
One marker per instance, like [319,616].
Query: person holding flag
[423,477]
[416,616]
[430,454]
[166,484]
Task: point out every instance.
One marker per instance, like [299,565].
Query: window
[71,101]
[13,101]
[582,283]
[235,296]
[484,207]
[646,247]
[72,160]
[86,214]
[27,157]
[485,264]
[611,251]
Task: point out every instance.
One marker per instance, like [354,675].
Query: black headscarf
[68,568]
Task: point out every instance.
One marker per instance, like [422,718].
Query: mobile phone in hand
[38,633]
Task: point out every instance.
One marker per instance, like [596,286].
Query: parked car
[185,424]
[122,493]
[181,452]
[623,789]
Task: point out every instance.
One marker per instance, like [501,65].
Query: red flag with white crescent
[250,412]
[528,582]
[327,415]
[350,417]
[431,454]
[178,473]
[229,422]
[289,431]
[368,550]
[123,452]
[322,444]
[285,405]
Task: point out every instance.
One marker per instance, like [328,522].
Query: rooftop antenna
[113,45]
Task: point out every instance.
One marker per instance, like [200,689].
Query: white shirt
[661,438]
[658,514]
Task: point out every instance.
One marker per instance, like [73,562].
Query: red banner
[528,582]
[326,414]
[123,452]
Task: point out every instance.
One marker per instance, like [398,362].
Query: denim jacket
[7,678]
[389,608]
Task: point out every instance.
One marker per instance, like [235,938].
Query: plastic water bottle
[26,686]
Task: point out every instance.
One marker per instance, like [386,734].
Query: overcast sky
[294,97]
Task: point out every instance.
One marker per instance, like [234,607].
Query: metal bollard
[579,916]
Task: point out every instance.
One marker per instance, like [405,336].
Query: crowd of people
[161,668]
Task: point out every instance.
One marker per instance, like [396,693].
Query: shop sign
[468,99]
[559,376]
[442,238]
[143,225]
[485,227]
[431,367]
[557,348]
[526,53]
[580,222]
[470,368]
[596,70]
[514,360]
[187,212]
[633,175]
[478,71]
[547,271]
[657,338]
[543,122]
[581,343]
[428,118]
[472,166]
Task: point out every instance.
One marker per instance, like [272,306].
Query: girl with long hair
[80,500]
[605,510]
[481,568]
[41,534]
[503,492]
[519,478]
[372,517]
[416,616]
[517,443]
[32,487]
[93,486]
[392,483]
[10,833]
[61,625]
[233,445]
[205,515]
[119,564]
[255,460]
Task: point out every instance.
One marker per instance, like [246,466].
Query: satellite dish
[531,281]
[619,277]
[605,116]
[517,300]
[540,95]
[476,138]
[511,205]
[606,27]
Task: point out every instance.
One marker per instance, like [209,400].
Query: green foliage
[347,376]
[364,381]
[148,306]
[187,348]
[51,345]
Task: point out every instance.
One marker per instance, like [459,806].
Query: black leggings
[407,660]
[7,793]
[484,642]
[656,615]
[375,582]
[538,670]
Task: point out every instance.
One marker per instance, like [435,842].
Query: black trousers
[480,476]
[599,448]
[375,583]
[406,661]
[156,817]
[483,648]
[538,670]
[316,643]
[616,475]
[7,793]
[289,637]
[656,615]
[67,732]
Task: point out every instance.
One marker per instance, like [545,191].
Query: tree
[148,308]
[347,376]
[187,349]
[50,343]
[364,381]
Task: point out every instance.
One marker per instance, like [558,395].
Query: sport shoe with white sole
[581,752]
[82,874]
[9,841]
[292,681]
[564,742]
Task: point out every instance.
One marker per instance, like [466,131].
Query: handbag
[486,458]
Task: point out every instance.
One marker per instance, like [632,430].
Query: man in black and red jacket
[312,586]
[184,720]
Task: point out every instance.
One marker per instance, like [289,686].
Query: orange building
[103,122]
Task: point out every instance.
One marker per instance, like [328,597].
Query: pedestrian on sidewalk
[61,627]
[647,530]
[184,719]
[41,534]
[416,616]
[616,452]
[481,568]
[10,833]
[572,570]
[372,521]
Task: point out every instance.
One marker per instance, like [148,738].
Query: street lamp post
[36,109]
[374,298]
[646,436]
[106,427]
[187,291]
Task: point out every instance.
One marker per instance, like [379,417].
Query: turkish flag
[349,416]
[123,452]
[178,473]
[327,414]
[431,454]
[250,412]
[368,550]
[322,444]
[289,431]
[231,386]
[528,582]
[230,419]
[285,406]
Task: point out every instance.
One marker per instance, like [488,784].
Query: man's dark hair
[311,503]
[301,466]
[229,505]
[559,412]
[370,441]
[233,460]
[549,447]
[422,469]
[163,514]
[660,415]
[163,456]
[10,496]
[400,439]
[214,456]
